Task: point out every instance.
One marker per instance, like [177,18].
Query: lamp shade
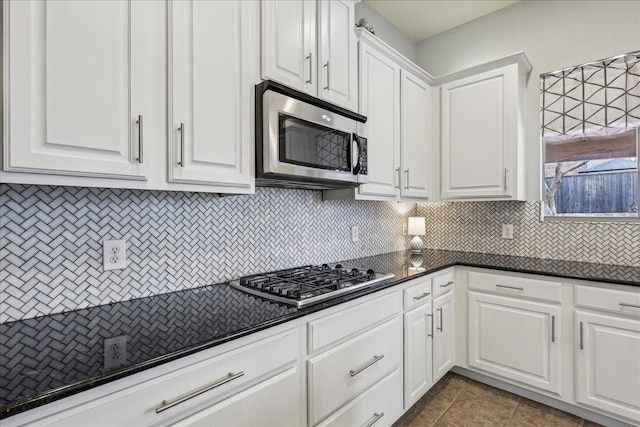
[416,226]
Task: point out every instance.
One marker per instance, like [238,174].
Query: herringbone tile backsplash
[51,240]
[477,227]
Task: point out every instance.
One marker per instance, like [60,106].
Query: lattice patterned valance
[592,96]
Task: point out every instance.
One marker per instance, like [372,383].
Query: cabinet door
[480,135]
[211,91]
[380,102]
[337,49]
[516,339]
[418,347]
[415,123]
[289,53]
[256,406]
[608,363]
[444,339]
[76,85]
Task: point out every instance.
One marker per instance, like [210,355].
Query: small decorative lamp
[416,228]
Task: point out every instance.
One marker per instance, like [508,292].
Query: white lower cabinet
[343,372]
[515,339]
[418,353]
[379,406]
[608,351]
[444,335]
[255,406]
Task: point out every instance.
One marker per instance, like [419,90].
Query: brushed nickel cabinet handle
[356,371]
[309,57]
[327,66]
[167,404]
[419,297]
[553,328]
[398,172]
[181,129]
[375,419]
[446,285]
[624,304]
[441,322]
[431,316]
[517,288]
[581,337]
[406,186]
[140,139]
[505,178]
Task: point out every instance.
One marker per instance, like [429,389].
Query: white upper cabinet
[337,50]
[482,131]
[75,87]
[211,89]
[289,53]
[380,102]
[311,46]
[397,98]
[415,124]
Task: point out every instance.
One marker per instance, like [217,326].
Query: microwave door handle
[355,154]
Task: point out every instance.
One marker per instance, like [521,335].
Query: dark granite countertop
[47,358]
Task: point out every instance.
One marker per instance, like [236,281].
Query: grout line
[452,402]
[513,414]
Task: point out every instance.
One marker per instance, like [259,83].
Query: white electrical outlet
[114,255]
[507,231]
[405,227]
[355,233]
[115,352]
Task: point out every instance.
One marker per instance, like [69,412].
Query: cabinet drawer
[380,405]
[515,286]
[443,283]
[338,326]
[608,299]
[137,404]
[417,294]
[347,370]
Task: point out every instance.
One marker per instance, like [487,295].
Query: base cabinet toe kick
[567,343]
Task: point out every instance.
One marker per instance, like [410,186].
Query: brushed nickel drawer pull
[426,294]
[375,419]
[181,129]
[310,67]
[366,365]
[517,288]
[553,328]
[581,338]
[441,322]
[406,185]
[327,66]
[140,138]
[624,304]
[446,285]
[431,316]
[166,404]
[398,172]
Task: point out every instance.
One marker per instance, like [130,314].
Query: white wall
[553,34]
[386,30]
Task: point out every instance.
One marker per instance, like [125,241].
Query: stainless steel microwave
[305,142]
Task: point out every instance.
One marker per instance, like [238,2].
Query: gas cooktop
[311,284]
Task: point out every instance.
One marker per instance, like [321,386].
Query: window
[590,135]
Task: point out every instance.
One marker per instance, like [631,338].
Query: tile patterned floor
[456,401]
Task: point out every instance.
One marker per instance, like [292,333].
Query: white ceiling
[420,19]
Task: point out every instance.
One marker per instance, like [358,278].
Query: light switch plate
[114,254]
[355,233]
